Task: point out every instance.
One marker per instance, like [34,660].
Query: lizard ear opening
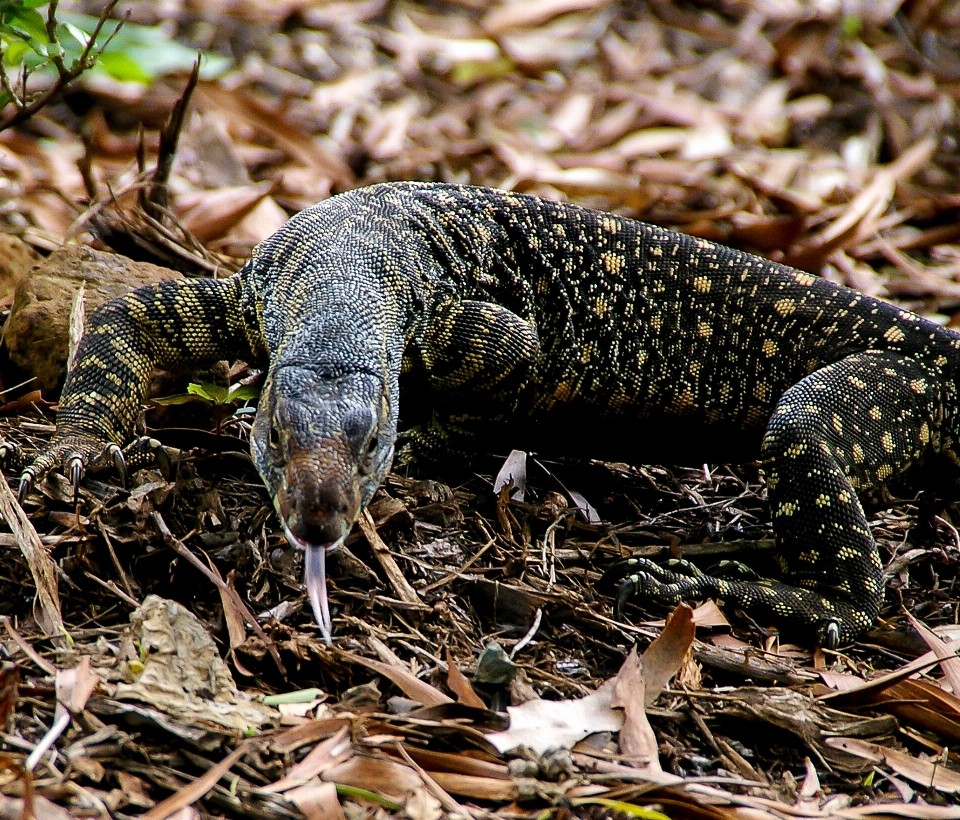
[368,460]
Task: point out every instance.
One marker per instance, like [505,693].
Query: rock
[16,260]
[36,333]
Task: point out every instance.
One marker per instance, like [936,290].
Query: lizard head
[322,443]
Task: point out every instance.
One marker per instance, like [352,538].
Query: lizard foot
[826,619]
[422,443]
[76,455]
[678,580]
[734,571]
[641,577]
[406,452]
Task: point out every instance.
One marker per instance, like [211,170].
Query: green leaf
[55,50]
[151,49]
[30,22]
[299,696]
[78,34]
[15,51]
[468,73]
[243,392]
[123,67]
[851,26]
[177,398]
[364,794]
[211,392]
[627,808]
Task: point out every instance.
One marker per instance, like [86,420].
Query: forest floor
[820,134]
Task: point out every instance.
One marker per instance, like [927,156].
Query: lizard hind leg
[844,429]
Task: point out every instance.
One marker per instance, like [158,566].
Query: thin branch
[57,58]
[6,85]
[85,56]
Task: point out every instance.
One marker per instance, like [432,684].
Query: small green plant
[223,400]
[40,54]
[32,44]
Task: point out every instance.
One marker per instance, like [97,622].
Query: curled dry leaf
[406,681]
[317,801]
[638,744]
[324,756]
[666,655]
[47,601]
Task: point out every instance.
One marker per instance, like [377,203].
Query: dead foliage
[820,134]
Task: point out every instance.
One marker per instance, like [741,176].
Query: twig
[127,583]
[153,199]
[381,552]
[111,586]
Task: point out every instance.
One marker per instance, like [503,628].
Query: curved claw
[10,455]
[26,484]
[615,573]
[163,459]
[75,465]
[831,635]
[119,464]
[625,592]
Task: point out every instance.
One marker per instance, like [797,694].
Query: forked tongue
[315,580]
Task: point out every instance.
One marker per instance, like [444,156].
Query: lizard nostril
[321,512]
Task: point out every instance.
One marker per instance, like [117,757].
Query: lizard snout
[319,511]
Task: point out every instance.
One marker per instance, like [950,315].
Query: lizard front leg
[182,323]
[467,348]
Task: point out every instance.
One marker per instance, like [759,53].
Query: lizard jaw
[315,579]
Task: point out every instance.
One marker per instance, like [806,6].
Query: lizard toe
[138,454]
[615,573]
[11,456]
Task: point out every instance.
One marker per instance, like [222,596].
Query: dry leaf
[929,775]
[549,724]
[637,741]
[47,600]
[664,657]
[460,685]
[317,801]
[408,683]
[513,471]
[324,756]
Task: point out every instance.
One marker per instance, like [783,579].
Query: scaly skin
[529,323]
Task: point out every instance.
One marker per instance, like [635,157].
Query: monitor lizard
[509,320]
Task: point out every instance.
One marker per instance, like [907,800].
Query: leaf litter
[822,135]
